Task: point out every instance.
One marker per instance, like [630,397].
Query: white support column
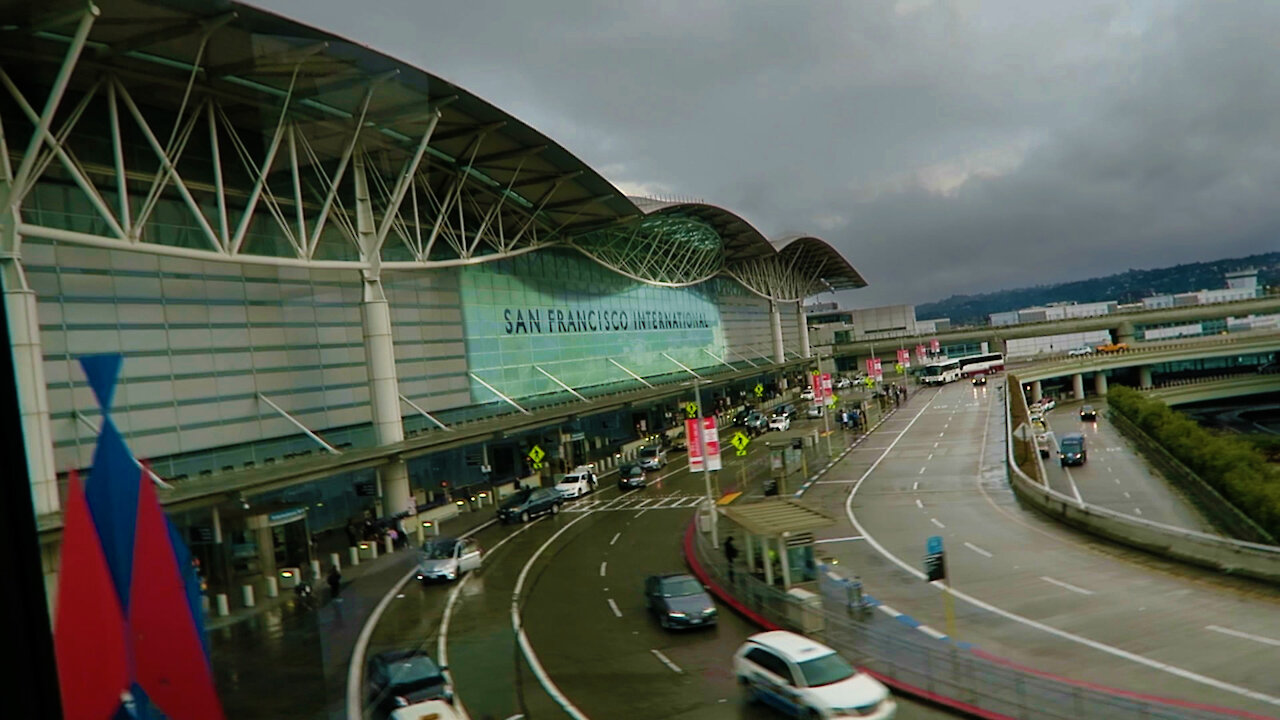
[775,320]
[28,368]
[785,562]
[1077,386]
[1037,391]
[1144,377]
[803,324]
[384,387]
[1100,384]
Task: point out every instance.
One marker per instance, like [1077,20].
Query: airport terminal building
[339,283]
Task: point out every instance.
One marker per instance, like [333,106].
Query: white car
[815,411]
[1047,404]
[1075,352]
[429,710]
[779,422]
[843,383]
[577,483]
[447,558]
[805,678]
[806,394]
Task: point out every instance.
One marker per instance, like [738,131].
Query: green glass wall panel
[568,315]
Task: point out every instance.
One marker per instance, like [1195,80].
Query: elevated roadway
[1031,591]
[1118,323]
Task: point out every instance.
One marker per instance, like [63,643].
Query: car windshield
[570,479]
[680,587]
[648,452]
[1071,446]
[518,499]
[826,670]
[414,673]
[438,549]
[634,471]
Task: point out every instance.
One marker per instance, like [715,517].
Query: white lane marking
[1126,494]
[915,485]
[1075,490]
[921,471]
[614,607]
[355,671]
[666,661]
[931,632]
[1138,510]
[935,444]
[641,513]
[831,482]
[615,538]
[1068,586]
[888,611]
[442,641]
[941,434]
[1117,481]
[522,639]
[839,539]
[1245,635]
[603,565]
[919,504]
[930,457]
[935,522]
[1096,645]
[978,550]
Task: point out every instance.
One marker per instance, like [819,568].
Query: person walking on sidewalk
[730,554]
[335,582]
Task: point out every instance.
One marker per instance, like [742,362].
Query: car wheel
[524,516]
[555,508]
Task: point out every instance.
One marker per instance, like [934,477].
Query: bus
[985,364]
[941,372]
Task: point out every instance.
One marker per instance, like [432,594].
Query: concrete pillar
[775,321]
[768,566]
[751,553]
[273,586]
[28,369]
[802,323]
[334,561]
[266,547]
[223,605]
[246,595]
[1037,391]
[997,345]
[1124,333]
[1100,384]
[1077,386]
[375,317]
[1144,377]
[353,556]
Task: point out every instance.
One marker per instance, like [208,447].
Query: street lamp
[706,461]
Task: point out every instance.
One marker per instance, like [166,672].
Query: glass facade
[568,315]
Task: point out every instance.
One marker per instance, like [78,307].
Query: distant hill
[1126,287]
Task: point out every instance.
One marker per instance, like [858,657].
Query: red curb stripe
[758,619]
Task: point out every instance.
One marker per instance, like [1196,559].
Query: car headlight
[709,611]
[676,614]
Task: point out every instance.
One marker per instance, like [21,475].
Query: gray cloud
[943,146]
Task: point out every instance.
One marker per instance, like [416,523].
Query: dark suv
[530,502]
[786,409]
[1071,450]
[403,677]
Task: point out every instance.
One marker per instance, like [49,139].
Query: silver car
[447,558]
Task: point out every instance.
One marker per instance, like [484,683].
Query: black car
[740,420]
[979,379]
[631,476]
[786,409]
[530,502]
[679,601]
[1088,412]
[403,677]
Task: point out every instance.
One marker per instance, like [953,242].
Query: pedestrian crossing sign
[536,454]
[759,390]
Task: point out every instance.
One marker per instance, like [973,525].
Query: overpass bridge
[1122,326]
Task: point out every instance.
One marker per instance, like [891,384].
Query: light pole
[706,461]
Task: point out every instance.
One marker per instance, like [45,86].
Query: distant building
[1003,318]
[1241,285]
[1243,280]
[828,324]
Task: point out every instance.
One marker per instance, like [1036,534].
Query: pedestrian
[335,582]
[730,554]
[395,537]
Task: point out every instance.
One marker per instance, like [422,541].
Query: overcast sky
[943,147]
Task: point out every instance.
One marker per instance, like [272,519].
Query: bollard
[333,561]
[355,555]
[246,593]
[273,587]
[224,607]
[315,567]
[386,541]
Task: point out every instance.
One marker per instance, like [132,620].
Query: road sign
[740,441]
[759,390]
[935,565]
[835,399]
[536,453]
[691,409]
[899,368]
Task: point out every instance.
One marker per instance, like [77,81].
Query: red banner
[695,445]
[920,354]
[876,369]
[933,345]
[904,358]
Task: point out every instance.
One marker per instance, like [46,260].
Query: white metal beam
[682,365]
[155,479]
[719,359]
[319,441]
[402,184]
[744,357]
[238,241]
[615,362]
[494,390]
[556,380]
[424,413]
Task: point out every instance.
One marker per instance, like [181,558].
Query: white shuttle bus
[941,372]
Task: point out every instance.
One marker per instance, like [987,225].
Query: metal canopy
[774,516]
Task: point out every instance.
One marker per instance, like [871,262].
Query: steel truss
[782,277]
[657,249]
